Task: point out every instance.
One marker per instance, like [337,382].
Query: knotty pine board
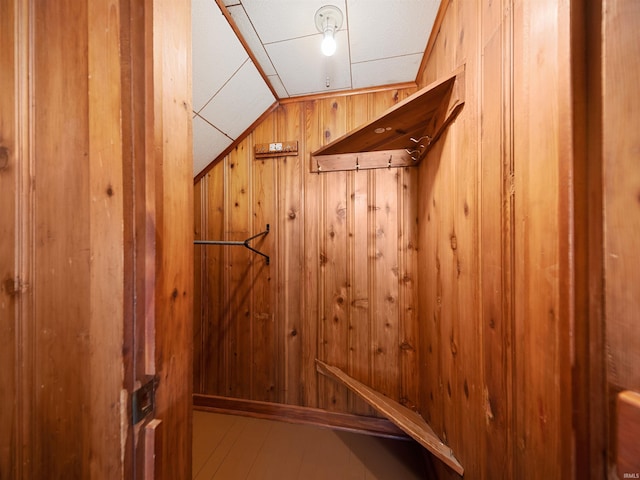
[491,359]
[10,186]
[174,241]
[621,201]
[333,327]
[289,123]
[495,239]
[198,275]
[83,107]
[266,333]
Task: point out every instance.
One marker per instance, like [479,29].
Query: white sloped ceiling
[381,42]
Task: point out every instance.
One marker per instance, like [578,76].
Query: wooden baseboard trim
[303,415]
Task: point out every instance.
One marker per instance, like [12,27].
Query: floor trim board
[303,415]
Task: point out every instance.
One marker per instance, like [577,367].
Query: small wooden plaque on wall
[276,149]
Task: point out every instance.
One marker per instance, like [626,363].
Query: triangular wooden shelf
[408,420]
[402,135]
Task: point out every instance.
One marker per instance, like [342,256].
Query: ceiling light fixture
[328,22]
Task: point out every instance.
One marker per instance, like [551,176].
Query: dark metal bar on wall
[244,243]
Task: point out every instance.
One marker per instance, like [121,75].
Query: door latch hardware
[143,400]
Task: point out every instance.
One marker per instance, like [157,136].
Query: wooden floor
[233,447]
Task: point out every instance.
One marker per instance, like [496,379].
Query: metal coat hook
[357,164]
[243,244]
[417,140]
[389,164]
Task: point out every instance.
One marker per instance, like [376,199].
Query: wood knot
[9,286]
[454,348]
[454,242]
[4,158]
[292,215]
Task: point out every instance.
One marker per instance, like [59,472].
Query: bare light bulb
[328,45]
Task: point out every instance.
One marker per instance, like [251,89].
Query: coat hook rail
[238,243]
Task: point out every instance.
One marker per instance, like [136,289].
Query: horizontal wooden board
[276,149]
[362,161]
[294,414]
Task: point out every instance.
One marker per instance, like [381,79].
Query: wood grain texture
[408,420]
[77,238]
[10,275]
[318,297]
[368,425]
[496,279]
[495,211]
[174,232]
[628,428]
[510,259]
[621,205]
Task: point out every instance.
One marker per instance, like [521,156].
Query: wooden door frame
[129,67]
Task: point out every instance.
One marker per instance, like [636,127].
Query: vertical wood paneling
[360,309]
[73,234]
[266,333]
[174,241]
[385,271]
[10,289]
[62,261]
[479,308]
[199,273]
[290,121]
[334,322]
[106,291]
[312,285]
[319,291]
[466,140]
[408,279]
[540,326]
[215,323]
[495,237]
[239,273]
[621,185]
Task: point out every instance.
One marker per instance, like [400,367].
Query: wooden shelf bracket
[407,420]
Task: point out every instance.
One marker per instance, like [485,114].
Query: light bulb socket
[328,21]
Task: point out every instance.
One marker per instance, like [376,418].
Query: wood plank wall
[10,189]
[341,283]
[510,332]
[81,92]
[621,205]
[521,347]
